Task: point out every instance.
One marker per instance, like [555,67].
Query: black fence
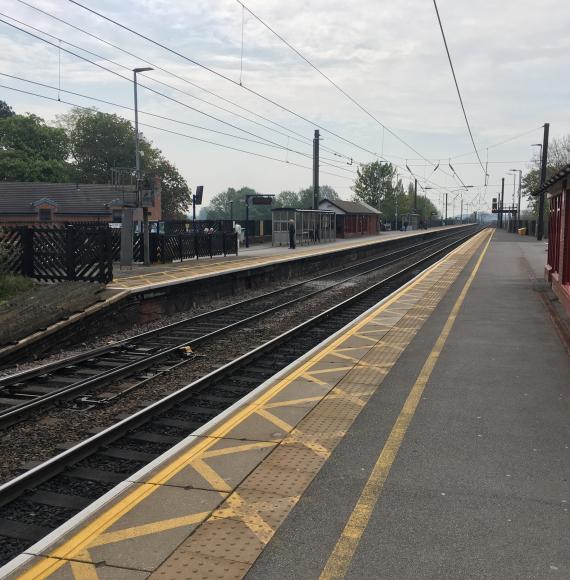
[181,246]
[257,228]
[530,224]
[58,253]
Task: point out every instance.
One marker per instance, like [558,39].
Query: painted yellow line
[87,534]
[341,557]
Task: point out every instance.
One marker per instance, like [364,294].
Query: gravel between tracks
[32,441]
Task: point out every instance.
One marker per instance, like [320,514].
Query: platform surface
[428,439]
[147,277]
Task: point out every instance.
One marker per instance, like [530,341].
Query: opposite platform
[160,275]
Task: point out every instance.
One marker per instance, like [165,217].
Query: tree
[558,158]
[30,150]
[303,199]
[5,110]
[374,183]
[100,142]
[220,207]
[176,195]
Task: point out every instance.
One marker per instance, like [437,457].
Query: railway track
[146,355]
[41,499]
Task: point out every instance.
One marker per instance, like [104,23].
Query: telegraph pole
[501,202]
[316,170]
[415,195]
[445,208]
[461,218]
[540,227]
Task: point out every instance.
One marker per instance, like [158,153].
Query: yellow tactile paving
[272,447]
[193,269]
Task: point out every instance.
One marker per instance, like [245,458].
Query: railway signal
[196,200]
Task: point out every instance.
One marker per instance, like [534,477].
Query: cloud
[510,57]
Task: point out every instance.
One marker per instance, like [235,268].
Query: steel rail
[39,474]
[19,412]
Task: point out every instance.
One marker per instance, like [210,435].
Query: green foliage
[219,206]
[5,110]
[374,183]
[99,142]
[30,150]
[558,158]
[377,185]
[176,195]
[12,285]
[303,199]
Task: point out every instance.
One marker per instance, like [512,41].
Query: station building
[28,203]
[557,270]
[353,218]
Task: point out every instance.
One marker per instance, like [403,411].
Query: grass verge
[12,285]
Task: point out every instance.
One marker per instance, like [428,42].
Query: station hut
[311,225]
[353,218]
[557,269]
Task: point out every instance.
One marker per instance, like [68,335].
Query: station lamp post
[514,172]
[146,237]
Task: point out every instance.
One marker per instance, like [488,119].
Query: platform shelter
[557,269]
[311,226]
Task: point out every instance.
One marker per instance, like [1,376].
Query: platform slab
[307,431]
[146,277]
[479,487]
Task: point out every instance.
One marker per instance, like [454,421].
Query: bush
[11,285]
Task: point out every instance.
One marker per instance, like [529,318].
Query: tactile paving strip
[290,468]
[286,434]
[192,269]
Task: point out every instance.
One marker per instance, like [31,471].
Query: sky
[510,57]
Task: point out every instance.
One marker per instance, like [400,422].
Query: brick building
[27,203]
[353,218]
[557,270]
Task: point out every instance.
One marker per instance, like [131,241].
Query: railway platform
[146,293]
[160,275]
[426,439]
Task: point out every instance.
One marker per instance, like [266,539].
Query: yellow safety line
[82,538]
[341,557]
[228,265]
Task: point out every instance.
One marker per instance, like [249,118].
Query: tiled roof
[352,206]
[563,173]
[82,199]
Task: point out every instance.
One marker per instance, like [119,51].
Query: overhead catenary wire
[193,108]
[223,145]
[326,161]
[159,93]
[457,86]
[229,79]
[226,78]
[328,79]
[299,136]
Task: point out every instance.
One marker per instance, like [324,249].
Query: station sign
[262,200]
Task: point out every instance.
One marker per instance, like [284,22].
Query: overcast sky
[511,60]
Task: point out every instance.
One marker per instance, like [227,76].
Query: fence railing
[86,253]
[57,253]
[181,246]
